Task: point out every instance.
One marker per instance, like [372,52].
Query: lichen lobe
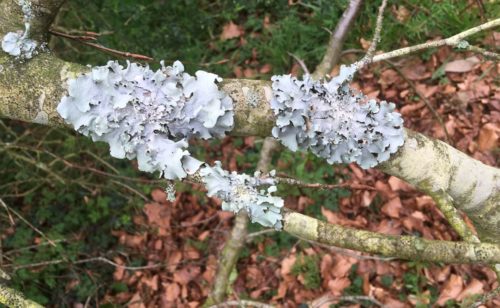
[334,121]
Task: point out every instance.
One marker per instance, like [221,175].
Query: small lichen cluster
[148,115]
[241,192]
[334,121]
[18,44]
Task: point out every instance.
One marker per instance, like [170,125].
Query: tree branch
[451,41]
[334,49]
[404,247]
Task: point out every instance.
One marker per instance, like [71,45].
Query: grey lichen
[334,121]
[241,192]
[18,44]
[149,115]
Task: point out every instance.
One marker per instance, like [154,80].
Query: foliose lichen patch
[148,115]
[18,44]
[241,192]
[334,121]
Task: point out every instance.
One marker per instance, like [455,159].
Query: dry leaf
[392,208]
[461,65]
[231,30]
[473,288]
[287,264]
[450,290]
[488,137]
[159,195]
[172,291]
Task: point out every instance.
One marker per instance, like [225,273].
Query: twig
[426,101]
[28,223]
[484,52]
[328,298]
[294,182]
[376,38]
[445,204]
[242,303]
[89,260]
[253,235]
[451,41]
[300,62]
[337,38]
[85,41]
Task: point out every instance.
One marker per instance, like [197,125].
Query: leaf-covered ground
[81,204]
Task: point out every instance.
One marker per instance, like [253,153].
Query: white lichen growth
[241,192]
[149,115]
[18,44]
[334,121]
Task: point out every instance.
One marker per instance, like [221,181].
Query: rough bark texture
[12,298]
[404,247]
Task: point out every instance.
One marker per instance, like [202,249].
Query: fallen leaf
[338,285]
[461,65]
[450,290]
[475,287]
[488,137]
[172,291]
[392,208]
[231,30]
[159,195]
[287,264]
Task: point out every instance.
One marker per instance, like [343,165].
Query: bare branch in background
[90,36]
[452,41]
[334,49]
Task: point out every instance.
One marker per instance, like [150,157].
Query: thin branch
[85,41]
[484,52]
[337,38]
[27,223]
[242,303]
[330,299]
[300,62]
[424,99]
[452,41]
[89,260]
[295,182]
[376,37]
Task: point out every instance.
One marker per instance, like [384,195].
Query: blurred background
[66,202]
